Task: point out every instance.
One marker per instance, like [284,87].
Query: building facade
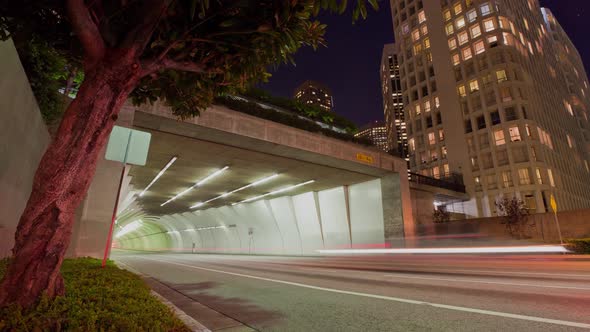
[496,91]
[314,93]
[376,132]
[393,106]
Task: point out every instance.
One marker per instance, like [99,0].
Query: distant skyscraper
[376,132]
[495,90]
[314,93]
[393,106]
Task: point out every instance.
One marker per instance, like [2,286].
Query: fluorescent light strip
[255,183]
[198,184]
[159,174]
[277,191]
[204,228]
[129,228]
[474,250]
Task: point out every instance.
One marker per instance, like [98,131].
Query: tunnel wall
[342,217]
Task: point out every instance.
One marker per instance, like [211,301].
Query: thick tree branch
[87,32]
[139,37]
[167,63]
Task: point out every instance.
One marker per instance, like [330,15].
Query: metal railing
[452,182]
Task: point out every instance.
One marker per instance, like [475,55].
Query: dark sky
[350,63]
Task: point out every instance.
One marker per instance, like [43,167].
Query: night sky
[350,63]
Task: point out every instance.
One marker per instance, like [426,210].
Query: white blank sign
[139,144]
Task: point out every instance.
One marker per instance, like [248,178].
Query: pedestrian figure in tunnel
[194,246]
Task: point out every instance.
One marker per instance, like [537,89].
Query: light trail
[464,250]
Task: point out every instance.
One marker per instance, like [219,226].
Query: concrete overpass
[320,192]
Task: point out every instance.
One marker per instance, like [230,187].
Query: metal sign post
[554,207]
[129,147]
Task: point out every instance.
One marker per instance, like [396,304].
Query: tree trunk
[62,180]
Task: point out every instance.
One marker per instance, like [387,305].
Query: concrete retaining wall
[574,224]
[23,140]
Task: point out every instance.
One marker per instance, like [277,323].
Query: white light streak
[255,183]
[198,184]
[464,250]
[159,175]
[277,191]
[129,228]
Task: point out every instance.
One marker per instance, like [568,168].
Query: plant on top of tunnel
[514,214]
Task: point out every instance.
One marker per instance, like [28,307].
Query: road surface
[382,293]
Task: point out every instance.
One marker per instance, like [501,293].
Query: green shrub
[96,299]
[579,246]
[288,119]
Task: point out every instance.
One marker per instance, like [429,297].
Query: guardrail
[454,182]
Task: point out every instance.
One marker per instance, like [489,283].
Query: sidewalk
[196,316]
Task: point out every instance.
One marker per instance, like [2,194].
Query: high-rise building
[496,91]
[376,132]
[393,106]
[314,93]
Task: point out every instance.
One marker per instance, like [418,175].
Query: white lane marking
[483,281]
[465,250]
[390,298]
[522,273]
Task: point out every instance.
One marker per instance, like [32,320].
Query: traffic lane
[240,288]
[530,298]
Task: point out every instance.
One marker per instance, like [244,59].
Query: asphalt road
[382,293]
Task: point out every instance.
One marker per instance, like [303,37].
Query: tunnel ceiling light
[204,228]
[129,228]
[198,184]
[255,183]
[159,175]
[282,190]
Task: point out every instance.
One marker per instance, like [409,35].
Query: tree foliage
[441,215]
[515,215]
[198,49]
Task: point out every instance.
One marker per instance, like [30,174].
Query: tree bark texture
[62,180]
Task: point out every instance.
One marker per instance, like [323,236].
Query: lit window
[456,59]
[412,144]
[463,38]
[524,176]
[436,102]
[427,106]
[441,135]
[457,8]
[526,23]
[493,40]
[431,139]
[415,35]
[499,137]
[538,174]
[424,30]
[452,43]
[514,134]
[447,15]
[449,29]
[473,86]
[418,111]
[461,91]
[417,48]
[475,31]
[467,53]
[405,28]
[568,107]
[479,47]
[507,179]
[421,17]
[550,176]
[426,43]
[460,23]
[485,9]
[570,141]
[471,15]
[489,24]
[446,168]
[501,76]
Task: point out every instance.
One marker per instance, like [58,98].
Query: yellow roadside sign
[364,158]
[553,203]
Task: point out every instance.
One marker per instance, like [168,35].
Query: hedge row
[579,246]
[291,120]
[96,299]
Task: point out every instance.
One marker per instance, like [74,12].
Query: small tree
[515,214]
[441,215]
[183,52]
